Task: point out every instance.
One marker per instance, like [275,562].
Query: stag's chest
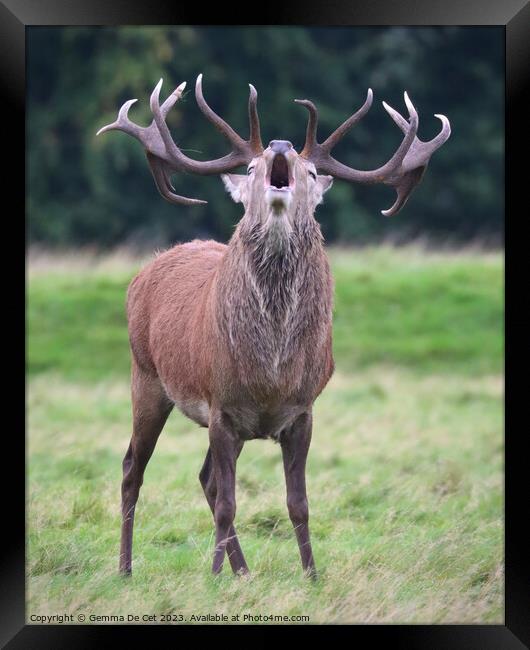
[274,337]
[271,351]
[270,319]
[273,378]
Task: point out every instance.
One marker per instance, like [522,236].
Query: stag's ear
[323,184]
[233,184]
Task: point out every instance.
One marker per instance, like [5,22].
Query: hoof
[242,572]
[312,574]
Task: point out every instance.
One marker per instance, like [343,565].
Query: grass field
[405,473]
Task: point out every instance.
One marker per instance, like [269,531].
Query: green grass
[405,472]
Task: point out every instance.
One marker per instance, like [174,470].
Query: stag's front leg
[225,447]
[295,443]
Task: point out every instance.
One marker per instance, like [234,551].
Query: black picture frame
[514,15]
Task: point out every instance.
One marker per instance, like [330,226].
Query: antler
[413,167]
[165,157]
[403,171]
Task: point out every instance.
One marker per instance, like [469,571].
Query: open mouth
[279,174]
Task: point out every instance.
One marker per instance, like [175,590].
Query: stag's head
[279,183]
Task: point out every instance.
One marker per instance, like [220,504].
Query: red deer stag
[238,336]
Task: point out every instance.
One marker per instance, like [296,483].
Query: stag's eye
[313,175]
[250,170]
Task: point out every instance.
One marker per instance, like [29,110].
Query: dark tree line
[87,190]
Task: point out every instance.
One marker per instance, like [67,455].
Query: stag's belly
[248,422]
[195,409]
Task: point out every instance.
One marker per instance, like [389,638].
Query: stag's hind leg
[225,447]
[209,485]
[295,443]
[151,408]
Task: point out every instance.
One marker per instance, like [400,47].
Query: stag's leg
[225,448]
[151,408]
[295,443]
[209,485]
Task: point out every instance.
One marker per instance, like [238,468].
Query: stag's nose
[280,146]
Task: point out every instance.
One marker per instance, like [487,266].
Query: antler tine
[172,99]
[397,117]
[311,145]
[229,133]
[123,123]
[312,125]
[253,118]
[339,133]
[444,134]
[163,129]
[162,177]
[404,187]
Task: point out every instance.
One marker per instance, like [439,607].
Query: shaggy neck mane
[277,258]
[272,300]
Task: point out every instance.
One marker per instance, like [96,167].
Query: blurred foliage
[83,190]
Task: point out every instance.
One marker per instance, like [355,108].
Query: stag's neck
[275,264]
[274,295]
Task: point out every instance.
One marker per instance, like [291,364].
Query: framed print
[266,307]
